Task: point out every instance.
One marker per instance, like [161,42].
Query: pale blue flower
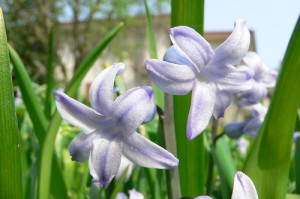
[109,129]
[249,127]
[133,194]
[123,165]
[192,65]
[243,188]
[263,78]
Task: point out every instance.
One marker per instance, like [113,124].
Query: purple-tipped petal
[124,164]
[174,56]
[223,100]
[202,105]
[131,108]
[192,45]
[133,194]
[143,152]
[77,114]
[101,91]
[268,78]
[151,113]
[243,187]
[104,160]
[171,78]
[228,78]
[234,48]
[81,145]
[235,129]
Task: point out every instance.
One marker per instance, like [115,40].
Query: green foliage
[268,162]
[190,153]
[10,153]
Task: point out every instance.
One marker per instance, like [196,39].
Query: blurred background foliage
[28,25]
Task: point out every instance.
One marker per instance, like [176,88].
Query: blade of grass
[10,154]
[39,121]
[50,79]
[226,169]
[119,185]
[190,153]
[159,95]
[268,162]
[47,148]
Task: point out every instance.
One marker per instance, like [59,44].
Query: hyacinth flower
[133,194]
[192,65]
[249,127]
[243,188]
[109,129]
[263,78]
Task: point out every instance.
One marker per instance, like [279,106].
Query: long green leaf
[297,163]
[35,111]
[47,149]
[268,163]
[190,153]
[159,94]
[10,153]
[223,159]
[50,79]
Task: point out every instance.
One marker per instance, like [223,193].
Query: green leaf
[297,163]
[47,148]
[50,79]
[292,196]
[190,153]
[159,94]
[10,153]
[225,165]
[268,162]
[39,121]
[119,185]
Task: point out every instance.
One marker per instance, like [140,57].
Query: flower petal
[203,197]
[252,127]
[101,91]
[255,93]
[132,108]
[81,145]
[124,164]
[228,78]
[234,48]
[174,56]
[243,187]
[121,195]
[78,114]
[151,113]
[104,160]
[192,45]
[202,105]
[171,78]
[223,100]
[143,152]
[133,194]
[235,129]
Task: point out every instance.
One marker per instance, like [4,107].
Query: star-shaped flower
[248,127]
[243,188]
[263,78]
[109,129]
[191,64]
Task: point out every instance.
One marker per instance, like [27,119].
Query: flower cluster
[109,138]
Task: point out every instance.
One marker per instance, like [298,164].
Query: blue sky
[272,22]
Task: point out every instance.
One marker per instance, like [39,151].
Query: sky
[272,22]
